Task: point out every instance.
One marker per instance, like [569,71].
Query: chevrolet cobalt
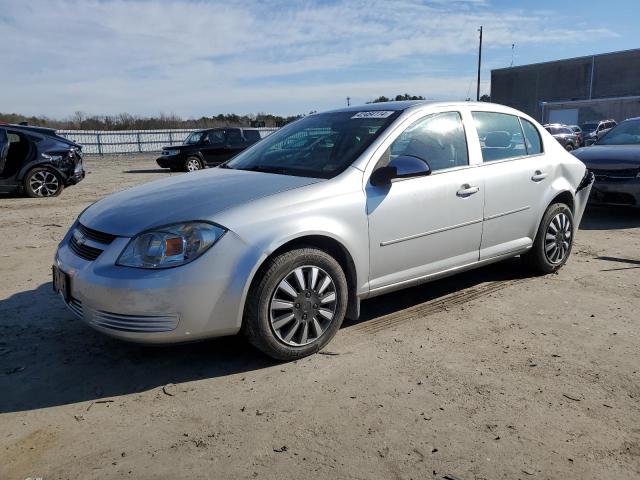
[282,242]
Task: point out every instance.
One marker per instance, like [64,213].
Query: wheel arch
[327,244]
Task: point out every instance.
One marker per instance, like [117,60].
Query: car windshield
[627,133]
[320,145]
[194,138]
[589,127]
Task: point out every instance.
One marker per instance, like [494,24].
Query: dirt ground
[485,375]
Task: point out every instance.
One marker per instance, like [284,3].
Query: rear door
[516,175]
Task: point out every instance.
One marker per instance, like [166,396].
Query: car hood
[609,157]
[192,196]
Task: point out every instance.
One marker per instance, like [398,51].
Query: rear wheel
[553,242]
[42,182]
[568,147]
[297,304]
[193,164]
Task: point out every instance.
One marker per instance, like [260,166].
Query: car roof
[30,128]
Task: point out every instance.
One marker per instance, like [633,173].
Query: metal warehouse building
[575,90]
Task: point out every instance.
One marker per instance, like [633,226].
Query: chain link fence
[102,142]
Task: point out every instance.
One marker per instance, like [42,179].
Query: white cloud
[205,57]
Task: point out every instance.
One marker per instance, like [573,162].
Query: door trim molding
[498,215]
[431,232]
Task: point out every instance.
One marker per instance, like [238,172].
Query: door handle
[539,176]
[467,190]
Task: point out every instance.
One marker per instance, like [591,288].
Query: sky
[196,57]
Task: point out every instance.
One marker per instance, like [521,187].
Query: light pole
[479,64]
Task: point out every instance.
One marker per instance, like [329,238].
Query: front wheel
[193,164]
[297,304]
[553,242]
[568,147]
[42,182]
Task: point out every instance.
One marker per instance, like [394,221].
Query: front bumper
[169,161]
[199,300]
[624,192]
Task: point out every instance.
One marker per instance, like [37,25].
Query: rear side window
[531,137]
[500,136]
[438,139]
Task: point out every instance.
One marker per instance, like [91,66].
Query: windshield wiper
[267,169]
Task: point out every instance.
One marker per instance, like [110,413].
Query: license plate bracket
[61,283]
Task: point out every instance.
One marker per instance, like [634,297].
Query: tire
[41,182]
[569,147]
[193,164]
[288,319]
[553,242]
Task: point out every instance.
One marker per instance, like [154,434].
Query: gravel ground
[481,376]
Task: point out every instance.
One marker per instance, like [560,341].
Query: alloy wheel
[44,184]
[558,238]
[303,306]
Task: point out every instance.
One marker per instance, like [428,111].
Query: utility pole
[479,64]
[348,101]
[513,46]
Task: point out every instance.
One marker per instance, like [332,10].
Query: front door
[425,225]
[4,150]
[213,146]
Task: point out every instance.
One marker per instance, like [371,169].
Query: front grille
[615,174]
[84,251]
[95,235]
[134,323]
[75,306]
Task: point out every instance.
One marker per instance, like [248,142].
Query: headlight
[56,157]
[171,152]
[170,246]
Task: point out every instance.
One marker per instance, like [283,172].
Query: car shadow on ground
[148,170]
[49,358]
[610,218]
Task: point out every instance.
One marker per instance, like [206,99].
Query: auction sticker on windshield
[374,114]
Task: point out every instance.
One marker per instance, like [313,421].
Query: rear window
[500,136]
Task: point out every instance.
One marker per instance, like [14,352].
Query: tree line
[125,121]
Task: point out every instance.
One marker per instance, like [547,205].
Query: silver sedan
[283,241]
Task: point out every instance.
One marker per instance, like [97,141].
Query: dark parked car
[615,161]
[36,161]
[564,135]
[207,148]
[578,131]
[592,131]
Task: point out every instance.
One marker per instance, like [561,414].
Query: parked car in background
[37,162]
[578,131]
[615,162]
[282,242]
[592,131]
[207,148]
[564,135]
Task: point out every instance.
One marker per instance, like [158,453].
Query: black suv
[207,148]
[36,161]
[564,135]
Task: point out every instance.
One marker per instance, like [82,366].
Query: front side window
[320,145]
[216,137]
[438,139]
[531,137]
[500,136]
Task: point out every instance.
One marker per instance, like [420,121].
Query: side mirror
[403,166]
